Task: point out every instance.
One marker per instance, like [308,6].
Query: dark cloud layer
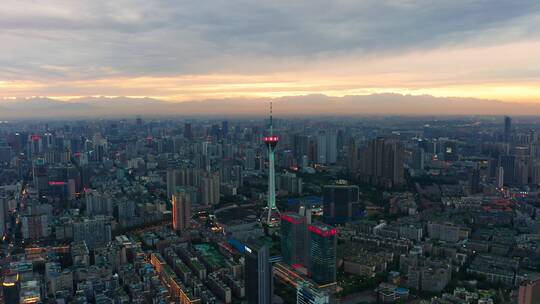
[101,38]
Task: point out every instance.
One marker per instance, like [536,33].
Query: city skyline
[241,50]
[371,209]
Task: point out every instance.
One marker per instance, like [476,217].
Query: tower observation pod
[271,141]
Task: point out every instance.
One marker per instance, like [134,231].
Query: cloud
[86,39]
[504,72]
[192,50]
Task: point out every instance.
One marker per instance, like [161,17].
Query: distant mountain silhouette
[376,104]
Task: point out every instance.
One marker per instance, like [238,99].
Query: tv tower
[271,142]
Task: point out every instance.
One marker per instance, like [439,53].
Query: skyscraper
[326,147]
[306,293]
[449,150]
[500,177]
[508,163]
[331,147]
[40,175]
[258,274]
[35,226]
[97,203]
[338,203]
[417,159]
[188,133]
[5,153]
[290,182]
[94,231]
[529,292]
[382,162]
[210,189]
[181,211]
[11,287]
[224,128]
[321,148]
[3,214]
[475,181]
[293,238]
[322,253]
[352,157]
[249,159]
[300,145]
[171,181]
[507,128]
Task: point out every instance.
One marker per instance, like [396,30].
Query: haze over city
[257,50]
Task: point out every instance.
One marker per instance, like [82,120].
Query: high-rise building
[215,132]
[293,238]
[338,201]
[188,177]
[3,214]
[188,133]
[508,163]
[321,148]
[224,128]
[417,159]
[249,159]
[382,162]
[181,211]
[290,183]
[534,148]
[322,253]
[94,231]
[237,176]
[35,226]
[500,177]
[210,189]
[535,172]
[35,146]
[522,170]
[97,203]
[507,128]
[475,181]
[306,293]
[171,181]
[352,157]
[5,153]
[327,147]
[40,176]
[449,150]
[10,288]
[126,212]
[300,145]
[529,292]
[258,274]
[331,148]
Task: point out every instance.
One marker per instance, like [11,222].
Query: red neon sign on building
[290,219]
[53,183]
[321,232]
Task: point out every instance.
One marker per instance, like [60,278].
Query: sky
[195,50]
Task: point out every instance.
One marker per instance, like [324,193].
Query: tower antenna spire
[271,121]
